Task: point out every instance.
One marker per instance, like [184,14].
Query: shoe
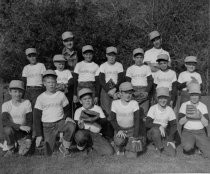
[9,152]
[24,147]
[169,150]
[64,151]
[120,153]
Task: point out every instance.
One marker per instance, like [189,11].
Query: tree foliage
[124,23]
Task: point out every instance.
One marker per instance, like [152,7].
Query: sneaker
[120,153]
[170,150]
[64,151]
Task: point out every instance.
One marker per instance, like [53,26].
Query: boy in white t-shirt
[194,118]
[17,119]
[166,77]
[111,75]
[141,78]
[187,77]
[161,118]
[32,76]
[90,118]
[127,121]
[86,74]
[52,112]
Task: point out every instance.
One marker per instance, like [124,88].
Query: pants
[154,135]
[106,102]
[185,96]
[32,93]
[192,138]
[12,136]
[94,140]
[51,131]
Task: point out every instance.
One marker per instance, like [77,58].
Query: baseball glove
[135,144]
[110,84]
[89,116]
[192,112]
[24,146]
[140,96]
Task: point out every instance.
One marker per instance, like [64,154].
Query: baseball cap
[87,48]
[194,88]
[162,57]
[162,91]
[67,34]
[49,72]
[138,51]
[58,58]
[30,51]
[125,86]
[111,50]
[84,91]
[190,59]
[16,84]
[153,35]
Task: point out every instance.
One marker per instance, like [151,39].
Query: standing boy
[127,121]
[140,77]
[32,76]
[111,75]
[194,118]
[90,118]
[86,74]
[17,119]
[161,118]
[187,77]
[52,111]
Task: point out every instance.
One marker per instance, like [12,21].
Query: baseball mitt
[24,146]
[89,116]
[192,112]
[140,96]
[134,144]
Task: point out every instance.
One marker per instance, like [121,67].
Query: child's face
[138,59]
[59,65]
[162,101]
[163,65]
[190,66]
[32,58]
[195,98]
[68,43]
[126,95]
[111,58]
[157,42]
[87,101]
[50,83]
[88,56]
[16,94]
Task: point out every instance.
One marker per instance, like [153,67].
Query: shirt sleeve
[28,106]
[183,108]
[135,106]
[101,69]
[5,108]
[113,109]
[69,75]
[199,79]
[43,69]
[65,101]
[180,78]
[151,112]
[77,114]
[148,71]
[172,115]
[97,70]
[76,69]
[128,72]
[24,73]
[120,69]
[101,112]
[204,110]
[155,75]
[174,77]
[146,58]
[38,104]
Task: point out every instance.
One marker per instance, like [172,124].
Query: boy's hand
[75,99]
[162,131]
[81,124]
[194,80]
[111,92]
[38,141]
[25,128]
[121,134]
[96,100]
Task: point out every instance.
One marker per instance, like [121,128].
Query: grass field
[80,163]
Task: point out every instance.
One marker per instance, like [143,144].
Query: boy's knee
[156,133]
[8,130]
[188,147]
[119,141]
[81,137]
[70,127]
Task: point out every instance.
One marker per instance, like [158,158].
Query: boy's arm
[97,86]
[6,121]
[205,119]
[150,124]
[139,126]
[113,121]
[102,81]
[121,76]
[172,130]
[182,118]
[67,111]
[29,119]
[24,79]
[37,115]
[75,77]
[180,86]
[150,83]
[127,79]
[174,91]
[71,81]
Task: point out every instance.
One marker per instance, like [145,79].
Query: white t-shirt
[151,55]
[160,116]
[186,77]
[94,108]
[165,78]
[86,71]
[18,113]
[63,76]
[194,124]
[51,106]
[111,71]
[125,113]
[138,74]
[33,74]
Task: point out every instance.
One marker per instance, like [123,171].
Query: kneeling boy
[17,119]
[89,118]
[52,111]
[193,116]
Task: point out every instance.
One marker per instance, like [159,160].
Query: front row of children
[51,118]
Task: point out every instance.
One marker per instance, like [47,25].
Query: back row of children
[124,104]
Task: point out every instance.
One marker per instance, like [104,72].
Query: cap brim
[88,93]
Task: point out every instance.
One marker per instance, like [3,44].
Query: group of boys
[136,107]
